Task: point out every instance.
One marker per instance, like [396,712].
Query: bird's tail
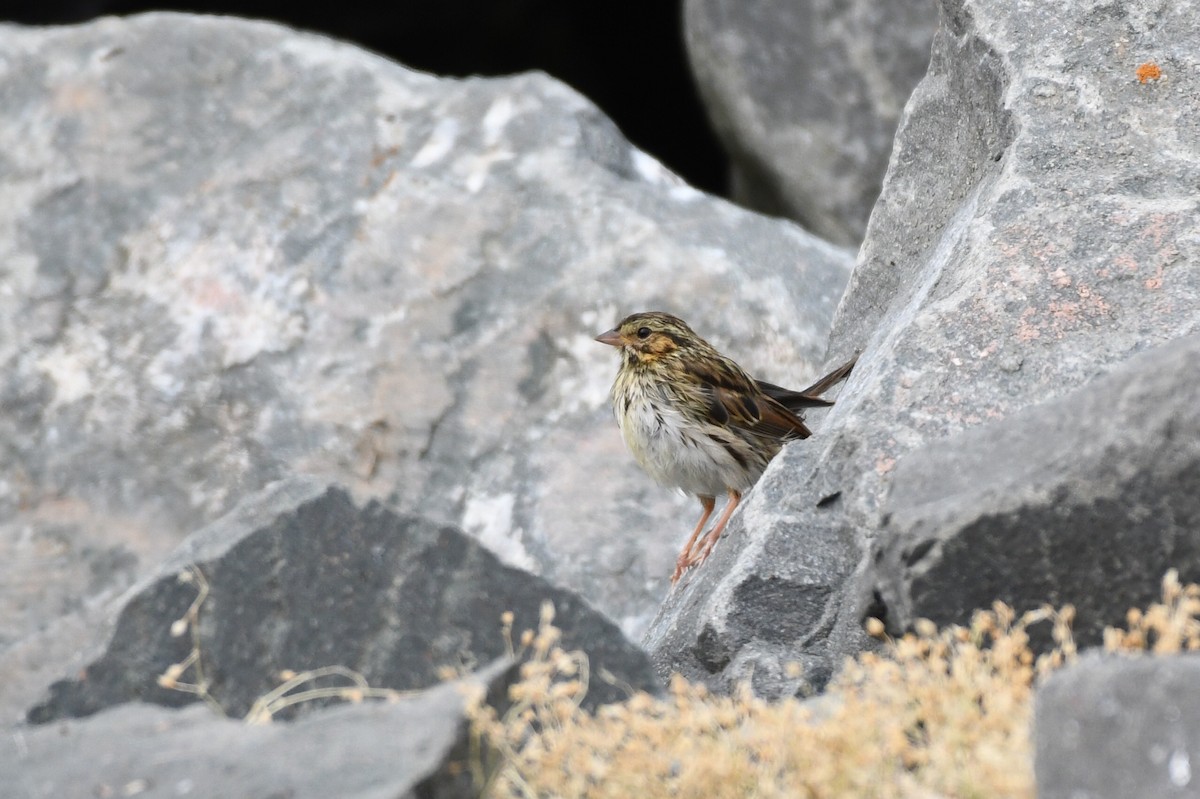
[832,379]
[811,396]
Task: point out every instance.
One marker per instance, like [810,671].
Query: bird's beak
[611,338]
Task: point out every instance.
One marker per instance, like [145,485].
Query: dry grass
[939,713]
[294,688]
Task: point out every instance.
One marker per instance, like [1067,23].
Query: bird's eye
[643,332]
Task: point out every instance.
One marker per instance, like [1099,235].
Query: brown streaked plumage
[695,420]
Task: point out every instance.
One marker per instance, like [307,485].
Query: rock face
[300,579]
[806,97]
[1088,499]
[234,253]
[1117,727]
[1037,228]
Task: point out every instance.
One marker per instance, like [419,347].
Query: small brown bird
[695,420]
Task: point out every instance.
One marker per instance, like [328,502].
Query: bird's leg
[685,557]
[709,541]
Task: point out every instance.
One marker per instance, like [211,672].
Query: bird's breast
[680,451]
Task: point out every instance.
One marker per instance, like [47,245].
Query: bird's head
[650,336]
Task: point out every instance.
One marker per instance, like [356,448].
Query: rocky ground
[315,332]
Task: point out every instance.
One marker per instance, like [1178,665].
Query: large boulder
[416,746]
[1036,229]
[1115,727]
[234,252]
[806,97]
[299,579]
[1087,499]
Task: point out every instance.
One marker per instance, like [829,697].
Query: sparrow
[695,420]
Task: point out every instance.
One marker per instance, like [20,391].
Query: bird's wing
[734,399]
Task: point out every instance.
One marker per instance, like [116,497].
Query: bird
[695,420]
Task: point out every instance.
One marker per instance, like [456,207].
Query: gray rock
[1088,499]
[1035,230]
[806,97]
[411,747]
[231,252]
[301,579]
[1115,727]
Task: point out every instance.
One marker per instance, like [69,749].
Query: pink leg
[709,541]
[708,503]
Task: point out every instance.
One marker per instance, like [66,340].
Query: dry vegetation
[938,713]
[294,688]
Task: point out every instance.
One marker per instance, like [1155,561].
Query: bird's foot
[681,566]
[697,559]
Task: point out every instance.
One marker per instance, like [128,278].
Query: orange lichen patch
[1126,262]
[1159,228]
[77,98]
[1148,71]
[989,350]
[1092,302]
[1082,306]
[1156,281]
[1065,311]
[1027,327]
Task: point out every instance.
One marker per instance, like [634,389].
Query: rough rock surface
[231,252]
[413,747]
[300,578]
[1114,727]
[806,97]
[1088,499]
[1039,225]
